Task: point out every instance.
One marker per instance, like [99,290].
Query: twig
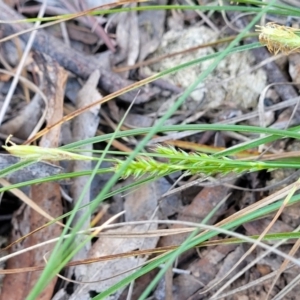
[71,59]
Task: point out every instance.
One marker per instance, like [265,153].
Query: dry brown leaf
[22,125]
[109,270]
[211,267]
[201,206]
[72,60]
[25,199]
[83,127]
[140,204]
[128,38]
[45,195]
[151,24]
[29,172]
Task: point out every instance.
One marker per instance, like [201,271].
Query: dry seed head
[278,38]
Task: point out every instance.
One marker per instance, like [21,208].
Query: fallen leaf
[84,126]
[46,196]
[140,204]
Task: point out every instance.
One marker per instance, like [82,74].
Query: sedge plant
[164,160]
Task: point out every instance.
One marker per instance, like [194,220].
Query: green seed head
[279,38]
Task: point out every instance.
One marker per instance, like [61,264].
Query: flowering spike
[278,38]
[189,163]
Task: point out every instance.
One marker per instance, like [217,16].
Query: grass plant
[164,160]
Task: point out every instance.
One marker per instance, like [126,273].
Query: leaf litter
[113,44]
